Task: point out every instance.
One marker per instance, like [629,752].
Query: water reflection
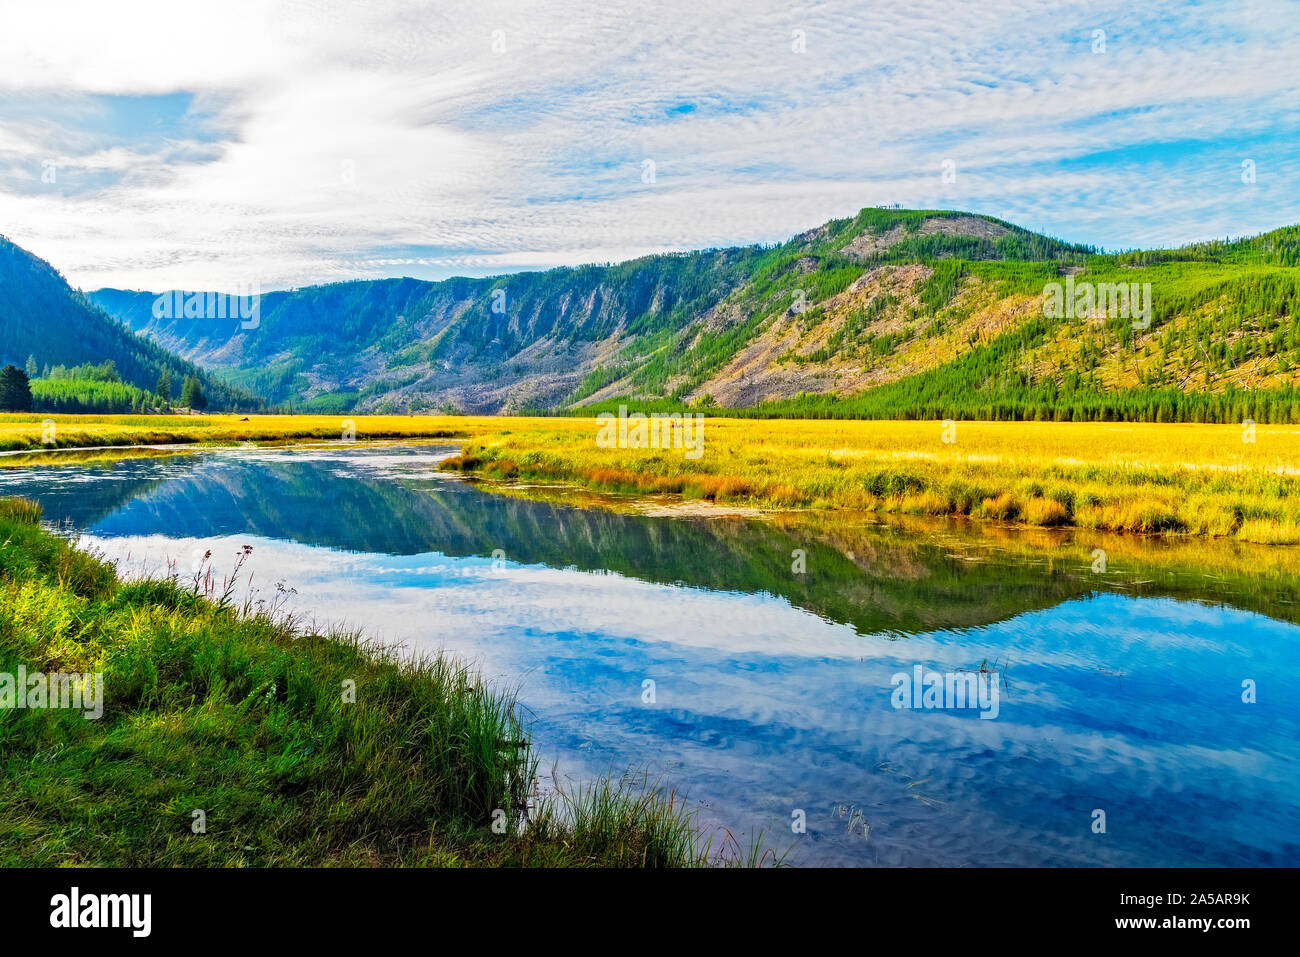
[772,690]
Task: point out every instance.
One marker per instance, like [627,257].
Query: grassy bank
[238,714]
[1205,480]
[1189,479]
[31,431]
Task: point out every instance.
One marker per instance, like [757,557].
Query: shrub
[462,463]
[1046,511]
[926,503]
[1005,507]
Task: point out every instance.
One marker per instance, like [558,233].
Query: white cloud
[344,140]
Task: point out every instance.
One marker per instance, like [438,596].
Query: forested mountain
[47,325]
[888,313]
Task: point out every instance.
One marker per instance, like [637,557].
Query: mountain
[43,317]
[890,312]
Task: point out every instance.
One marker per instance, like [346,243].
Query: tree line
[91,388]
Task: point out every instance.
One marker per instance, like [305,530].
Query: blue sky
[208,145]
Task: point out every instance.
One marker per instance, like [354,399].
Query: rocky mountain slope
[892,303]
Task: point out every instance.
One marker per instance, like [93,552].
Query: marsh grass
[1146,478]
[25,431]
[237,711]
[593,819]
[664,830]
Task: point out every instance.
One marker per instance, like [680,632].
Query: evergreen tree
[15,390]
[192,394]
[164,388]
[32,368]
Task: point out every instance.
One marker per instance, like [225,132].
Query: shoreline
[1142,478]
[292,747]
[1179,480]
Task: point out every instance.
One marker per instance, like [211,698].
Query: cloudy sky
[207,144]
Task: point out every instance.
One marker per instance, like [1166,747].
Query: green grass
[1204,480]
[33,431]
[240,713]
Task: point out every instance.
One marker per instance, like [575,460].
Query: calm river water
[688,648]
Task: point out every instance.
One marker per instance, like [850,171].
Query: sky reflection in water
[771,694]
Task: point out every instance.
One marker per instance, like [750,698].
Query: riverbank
[1200,480]
[1238,482]
[36,432]
[230,736]
[859,567]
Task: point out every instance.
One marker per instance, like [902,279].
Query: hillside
[909,312]
[42,317]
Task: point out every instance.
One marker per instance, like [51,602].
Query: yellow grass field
[1208,480]
[29,431]
[1192,479]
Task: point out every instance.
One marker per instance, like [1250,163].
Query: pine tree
[32,368]
[192,394]
[164,388]
[15,390]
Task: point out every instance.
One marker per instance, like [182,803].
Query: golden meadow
[1234,481]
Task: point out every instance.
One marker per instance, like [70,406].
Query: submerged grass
[292,748]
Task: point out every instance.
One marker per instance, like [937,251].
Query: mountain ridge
[446,340]
[43,317]
[854,305]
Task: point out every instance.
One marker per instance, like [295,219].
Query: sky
[214,145]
